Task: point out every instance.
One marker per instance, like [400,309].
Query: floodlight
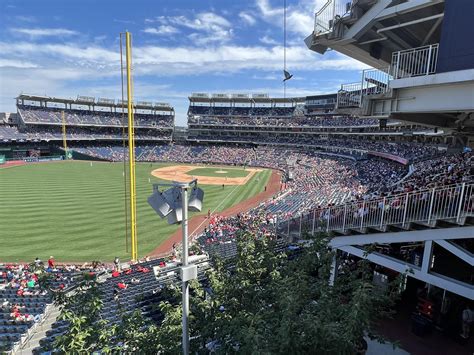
[195,199]
[176,216]
[158,202]
[174,204]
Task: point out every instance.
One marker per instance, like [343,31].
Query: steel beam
[440,281]
[404,237]
[461,253]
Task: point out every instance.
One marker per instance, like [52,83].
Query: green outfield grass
[75,211]
[214,172]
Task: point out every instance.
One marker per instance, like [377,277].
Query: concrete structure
[422,54]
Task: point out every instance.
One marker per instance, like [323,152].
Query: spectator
[51,263]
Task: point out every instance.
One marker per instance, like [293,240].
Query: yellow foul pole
[64,134]
[131,150]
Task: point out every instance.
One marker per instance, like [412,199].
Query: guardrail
[415,62]
[451,203]
[325,18]
[350,95]
[376,81]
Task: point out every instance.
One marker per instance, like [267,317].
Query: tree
[261,301]
[87,330]
[269,303]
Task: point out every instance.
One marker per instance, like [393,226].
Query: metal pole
[301,222]
[184,257]
[383,213]
[430,211]
[64,135]
[461,198]
[131,150]
[405,211]
[329,219]
[344,218]
[429,60]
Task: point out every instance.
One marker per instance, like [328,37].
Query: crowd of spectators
[10,132]
[34,114]
[405,150]
[266,111]
[47,132]
[283,121]
[25,292]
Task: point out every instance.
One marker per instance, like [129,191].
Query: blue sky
[68,48]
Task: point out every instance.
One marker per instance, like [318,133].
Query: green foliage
[261,302]
[275,304]
[87,331]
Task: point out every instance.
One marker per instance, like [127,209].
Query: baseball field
[74,210]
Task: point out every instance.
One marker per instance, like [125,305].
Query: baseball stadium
[314,223]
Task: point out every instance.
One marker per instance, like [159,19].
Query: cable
[284,46]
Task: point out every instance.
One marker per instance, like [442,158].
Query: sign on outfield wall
[2,159]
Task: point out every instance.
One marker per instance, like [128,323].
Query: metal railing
[415,62]
[376,81]
[349,95]
[325,18]
[451,203]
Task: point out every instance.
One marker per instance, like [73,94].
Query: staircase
[37,333]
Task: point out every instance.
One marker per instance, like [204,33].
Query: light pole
[174,204]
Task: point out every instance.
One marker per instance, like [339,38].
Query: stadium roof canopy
[101,102]
[242,98]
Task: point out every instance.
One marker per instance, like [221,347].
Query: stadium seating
[145,283]
[239,117]
[32,114]
[22,305]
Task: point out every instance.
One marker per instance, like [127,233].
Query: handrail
[411,62]
[325,17]
[453,202]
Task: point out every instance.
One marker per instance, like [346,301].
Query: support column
[425,265]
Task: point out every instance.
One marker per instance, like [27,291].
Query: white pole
[185,286]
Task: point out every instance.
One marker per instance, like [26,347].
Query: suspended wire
[284,46]
[125,184]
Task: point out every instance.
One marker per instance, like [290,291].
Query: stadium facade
[386,161]
[299,129]
[423,72]
[421,53]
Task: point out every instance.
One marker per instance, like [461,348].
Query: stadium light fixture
[174,205]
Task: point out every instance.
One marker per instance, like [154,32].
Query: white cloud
[51,51]
[247,18]
[12,63]
[161,30]
[206,21]
[44,32]
[166,61]
[268,40]
[300,16]
[208,27]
